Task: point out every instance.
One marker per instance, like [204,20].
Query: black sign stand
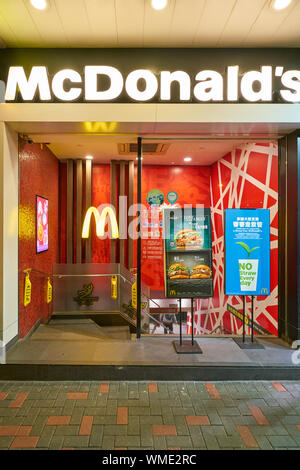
[244,342]
[180,322]
[187,347]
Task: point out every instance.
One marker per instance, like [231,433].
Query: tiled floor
[139,415]
[84,342]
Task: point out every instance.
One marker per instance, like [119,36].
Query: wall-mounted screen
[42,224]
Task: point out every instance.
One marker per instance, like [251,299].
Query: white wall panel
[20,22]
[102,19]
[239,24]
[134,23]
[213,20]
[74,18]
[130,21]
[9,201]
[185,21]
[265,27]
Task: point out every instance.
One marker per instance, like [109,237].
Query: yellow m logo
[100,220]
[172,292]
[264,290]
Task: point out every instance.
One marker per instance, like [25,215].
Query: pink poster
[41,224]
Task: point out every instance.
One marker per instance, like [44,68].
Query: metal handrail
[29,270]
[60,276]
[87,275]
[150,300]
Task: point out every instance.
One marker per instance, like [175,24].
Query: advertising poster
[188,265]
[42,228]
[247,251]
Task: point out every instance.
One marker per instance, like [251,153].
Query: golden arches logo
[264,290]
[100,220]
[102,127]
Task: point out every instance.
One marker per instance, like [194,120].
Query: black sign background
[126,60]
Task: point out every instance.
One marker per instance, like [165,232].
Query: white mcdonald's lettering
[38,79]
[90,84]
[100,220]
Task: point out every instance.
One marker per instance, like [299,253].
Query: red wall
[191,183]
[244,178]
[100,195]
[39,174]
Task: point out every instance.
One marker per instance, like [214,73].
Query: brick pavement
[156,415]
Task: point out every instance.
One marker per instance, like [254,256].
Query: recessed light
[89,157]
[142,158]
[187,159]
[159,4]
[280,4]
[39,4]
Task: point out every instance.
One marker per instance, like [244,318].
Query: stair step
[117,332]
[71,329]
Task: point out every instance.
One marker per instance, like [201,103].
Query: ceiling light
[159,4]
[39,4]
[187,159]
[142,158]
[280,4]
[89,157]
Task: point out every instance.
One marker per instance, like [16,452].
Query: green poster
[188,267]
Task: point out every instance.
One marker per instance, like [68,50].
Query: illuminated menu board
[188,267]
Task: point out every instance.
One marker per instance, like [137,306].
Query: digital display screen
[42,224]
[247,251]
[188,253]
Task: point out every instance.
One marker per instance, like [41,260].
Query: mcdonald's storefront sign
[100,220]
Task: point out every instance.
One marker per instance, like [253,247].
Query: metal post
[70,214]
[180,322]
[88,203]
[252,316]
[139,240]
[243,318]
[130,217]
[192,315]
[113,203]
[78,211]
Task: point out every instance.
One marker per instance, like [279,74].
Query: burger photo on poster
[188,239]
[201,271]
[178,271]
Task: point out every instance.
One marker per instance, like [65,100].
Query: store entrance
[85,286]
[213,175]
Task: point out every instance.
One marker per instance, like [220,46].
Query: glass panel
[86,288]
[80,288]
